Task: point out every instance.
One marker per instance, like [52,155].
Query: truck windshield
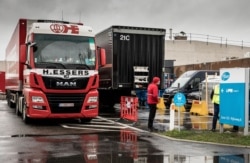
[183,79]
[64,50]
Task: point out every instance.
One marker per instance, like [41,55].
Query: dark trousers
[151,116]
[216,115]
[236,128]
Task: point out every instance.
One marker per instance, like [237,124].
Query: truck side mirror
[102,57]
[23,54]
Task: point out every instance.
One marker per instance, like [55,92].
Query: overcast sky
[224,18]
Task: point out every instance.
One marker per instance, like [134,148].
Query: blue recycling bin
[161,91]
[142,97]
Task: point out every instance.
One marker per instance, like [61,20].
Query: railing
[205,38]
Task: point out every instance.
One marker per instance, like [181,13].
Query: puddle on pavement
[187,120]
[127,158]
[123,146]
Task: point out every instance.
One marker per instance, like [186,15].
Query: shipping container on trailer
[134,55]
[52,70]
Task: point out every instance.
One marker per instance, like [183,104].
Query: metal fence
[205,38]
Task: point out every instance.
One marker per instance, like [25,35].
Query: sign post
[179,101]
[234,97]
[171,118]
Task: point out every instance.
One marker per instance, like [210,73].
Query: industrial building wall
[186,52]
[243,62]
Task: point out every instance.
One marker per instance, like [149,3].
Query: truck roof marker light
[58,21]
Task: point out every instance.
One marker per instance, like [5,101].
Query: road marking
[101,126]
[105,125]
[128,126]
[87,128]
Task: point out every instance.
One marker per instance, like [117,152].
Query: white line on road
[102,127]
[128,126]
[87,128]
[95,126]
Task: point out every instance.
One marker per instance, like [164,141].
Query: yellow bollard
[161,104]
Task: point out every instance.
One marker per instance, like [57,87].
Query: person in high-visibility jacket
[215,96]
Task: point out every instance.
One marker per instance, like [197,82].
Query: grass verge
[208,136]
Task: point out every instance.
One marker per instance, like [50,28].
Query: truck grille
[65,84]
[55,100]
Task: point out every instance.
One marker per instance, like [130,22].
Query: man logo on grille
[59,28]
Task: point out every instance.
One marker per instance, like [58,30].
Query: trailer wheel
[10,104]
[25,118]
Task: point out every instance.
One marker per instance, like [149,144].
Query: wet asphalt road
[102,141]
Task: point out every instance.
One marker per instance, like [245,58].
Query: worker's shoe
[213,130]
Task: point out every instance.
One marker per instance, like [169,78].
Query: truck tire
[17,105]
[10,104]
[25,118]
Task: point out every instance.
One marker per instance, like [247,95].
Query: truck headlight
[92,99]
[37,99]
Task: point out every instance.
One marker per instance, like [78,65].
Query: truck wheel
[85,120]
[24,116]
[10,104]
[17,105]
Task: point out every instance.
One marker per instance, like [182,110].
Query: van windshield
[183,79]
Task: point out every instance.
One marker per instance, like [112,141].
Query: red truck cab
[52,70]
